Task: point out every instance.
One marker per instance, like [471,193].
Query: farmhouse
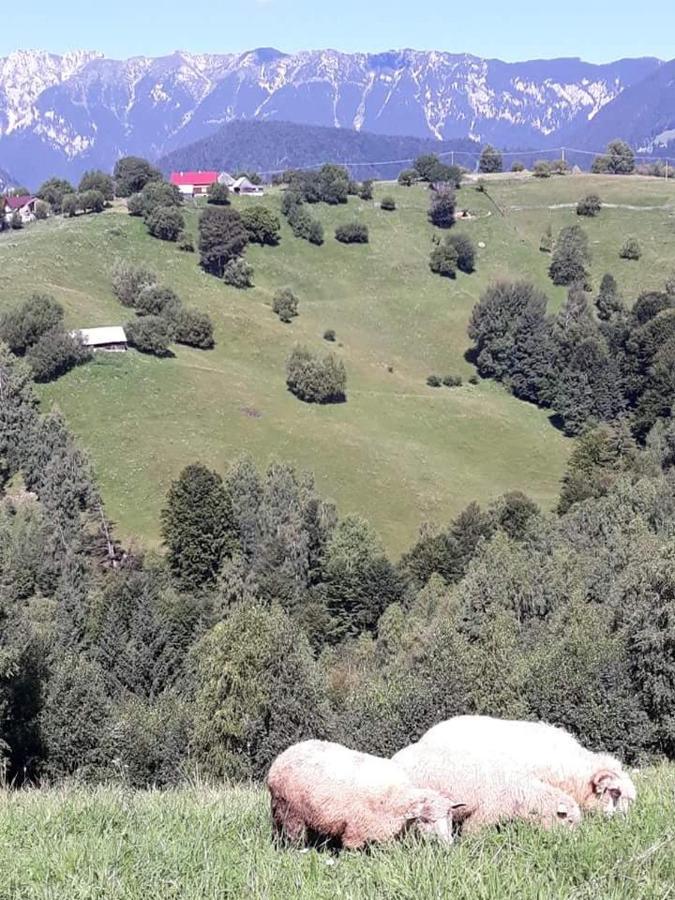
[226,179]
[193,184]
[244,186]
[25,206]
[110,337]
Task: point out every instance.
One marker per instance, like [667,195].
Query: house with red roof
[24,206]
[194,184]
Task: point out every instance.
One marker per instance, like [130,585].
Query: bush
[154,195]
[518,167]
[452,380]
[388,204]
[150,334]
[55,353]
[41,210]
[131,174]
[542,169]
[304,225]
[128,281]
[194,328]
[546,240]
[53,191]
[329,335]
[222,238]
[92,201]
[366,190]
[262,225]
[24,325]
[442,208]
[490,161]
[590,205]
[136,205]
[165,223]
[70,205]
[316,379]
[571,256]
[474,379]
[631,249]
[434,381]
[352,233]
[16,222]
[218,194]
[155,300]
[407,177]
[285,304]
[95,180]
[238,273]
[466,251]
[443,260]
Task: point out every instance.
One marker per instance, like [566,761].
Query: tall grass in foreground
[202,844]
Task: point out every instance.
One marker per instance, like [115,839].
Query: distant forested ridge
[274,146]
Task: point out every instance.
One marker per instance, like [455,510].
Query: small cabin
[111,338]
[24,206]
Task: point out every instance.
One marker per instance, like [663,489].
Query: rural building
[244,186]
[226,179]
[194,184]
[25,206]
[110,337]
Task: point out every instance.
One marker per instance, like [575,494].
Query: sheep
[351,798]
[536,750]
[491,795]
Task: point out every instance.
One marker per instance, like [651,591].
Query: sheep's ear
[461,811]
[606,780]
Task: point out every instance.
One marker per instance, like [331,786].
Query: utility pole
[563,154]
[452,156]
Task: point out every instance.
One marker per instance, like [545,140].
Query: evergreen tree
[608,302]
[222,238]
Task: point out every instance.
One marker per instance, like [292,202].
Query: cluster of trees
[352,233]
[619,159]
[587,366]
[94,192]
[429,169]
[314,378]
[34,330]
[159,204]
[456,251]
[285,304]
[161,317]
[271,619]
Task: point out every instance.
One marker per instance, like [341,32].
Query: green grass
[398,452]
[203,844]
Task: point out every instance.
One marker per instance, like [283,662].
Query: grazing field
[398,452]
[208,844]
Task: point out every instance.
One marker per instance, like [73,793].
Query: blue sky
[498,28]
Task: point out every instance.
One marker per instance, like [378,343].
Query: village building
[194,184]
[24,206]
[109,337]
[244,186]
[226,179]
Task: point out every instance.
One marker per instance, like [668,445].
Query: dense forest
[270,618]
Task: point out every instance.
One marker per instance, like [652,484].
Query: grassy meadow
[398,452]
[198,843]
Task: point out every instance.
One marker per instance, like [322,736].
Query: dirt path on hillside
[666,207]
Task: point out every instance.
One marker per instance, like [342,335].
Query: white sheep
[353,798]
[491,795]
[535,751]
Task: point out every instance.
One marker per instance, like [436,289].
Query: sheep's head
[613,791]
[433,814]
[567,812]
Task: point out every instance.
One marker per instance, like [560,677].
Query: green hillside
[398,452]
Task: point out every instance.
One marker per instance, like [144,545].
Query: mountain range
[63,114]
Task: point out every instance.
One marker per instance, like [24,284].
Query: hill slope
[63,114]
[273,146]
[398,452]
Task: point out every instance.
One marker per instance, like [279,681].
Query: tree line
[271,618]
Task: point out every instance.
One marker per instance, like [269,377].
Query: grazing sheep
[491,795]
[535,750]
[353,798]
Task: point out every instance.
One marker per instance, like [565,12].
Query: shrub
[434,381]
[222,238]
[128,281]
[24,325]
[150,334]
[546,241]
[407,177]
[466,251]
[155,300]
[571,255]
[185,243]
[70,205]
[452,380]
[316,379]
[285,304]
[238,273]
[443,260]
[490,161]
[388,203]
[41,210]
[366,190]
[16,222]
[262,225]
[518,167]
[442,208]
[329,335]
[165,223]
[352,233]
[218,194]
[131,174]
[95,180]
[194,328]
[315,233]
[136,205]
[53,191]
[54,354]
[481,186]
[92,201]
[631,249]
[154,195]
[590,205]
[474,379]
[542,169]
